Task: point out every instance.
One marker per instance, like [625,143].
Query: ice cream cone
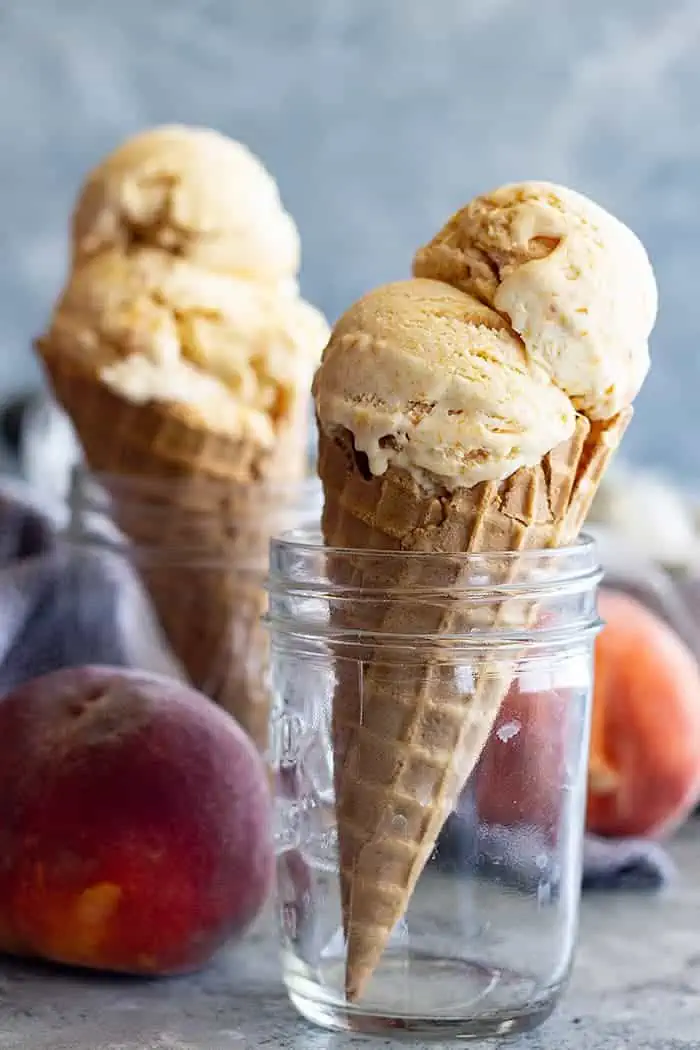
[472,409]
[133,439]
[182,352]
[405,746]
[199,525]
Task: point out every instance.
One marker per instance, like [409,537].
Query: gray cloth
[58,606]
[522,857]
[674,596]
[63,606]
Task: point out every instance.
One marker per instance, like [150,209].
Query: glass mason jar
[429,740]
[190,559]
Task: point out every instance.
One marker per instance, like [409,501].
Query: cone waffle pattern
[201,539]
[406,739]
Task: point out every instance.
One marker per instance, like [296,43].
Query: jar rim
[386,593]
[308,540]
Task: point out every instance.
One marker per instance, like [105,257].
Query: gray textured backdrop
[378,117]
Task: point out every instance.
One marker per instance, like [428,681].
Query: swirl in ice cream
[154,327]
[429,379]
[194,193]
[572,280]
[184,286]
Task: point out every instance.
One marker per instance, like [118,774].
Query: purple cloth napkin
[63,606]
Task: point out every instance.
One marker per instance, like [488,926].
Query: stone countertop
[636,984]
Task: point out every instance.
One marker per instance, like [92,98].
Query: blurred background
[378,118]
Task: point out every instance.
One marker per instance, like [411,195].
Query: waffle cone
[405,745]
[200,526]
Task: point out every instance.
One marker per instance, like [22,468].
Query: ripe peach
[134,823]
[644,768]
[519,776]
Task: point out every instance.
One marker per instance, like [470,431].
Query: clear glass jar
[191,556]
[430,782]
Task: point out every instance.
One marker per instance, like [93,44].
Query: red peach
[134,823]
[519,777]
[644,768]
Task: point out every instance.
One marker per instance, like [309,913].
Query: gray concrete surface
[636,985]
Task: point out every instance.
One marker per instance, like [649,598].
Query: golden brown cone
[210,517]
[405,745]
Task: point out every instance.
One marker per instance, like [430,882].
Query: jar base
[475,1002]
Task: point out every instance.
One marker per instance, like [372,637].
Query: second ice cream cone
[183,354]
[198,510]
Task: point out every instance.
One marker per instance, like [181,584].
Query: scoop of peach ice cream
[158,328]
[573,281]
[429,379]
[192,192]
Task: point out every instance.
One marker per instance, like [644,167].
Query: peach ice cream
[571,280]
[192,192]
